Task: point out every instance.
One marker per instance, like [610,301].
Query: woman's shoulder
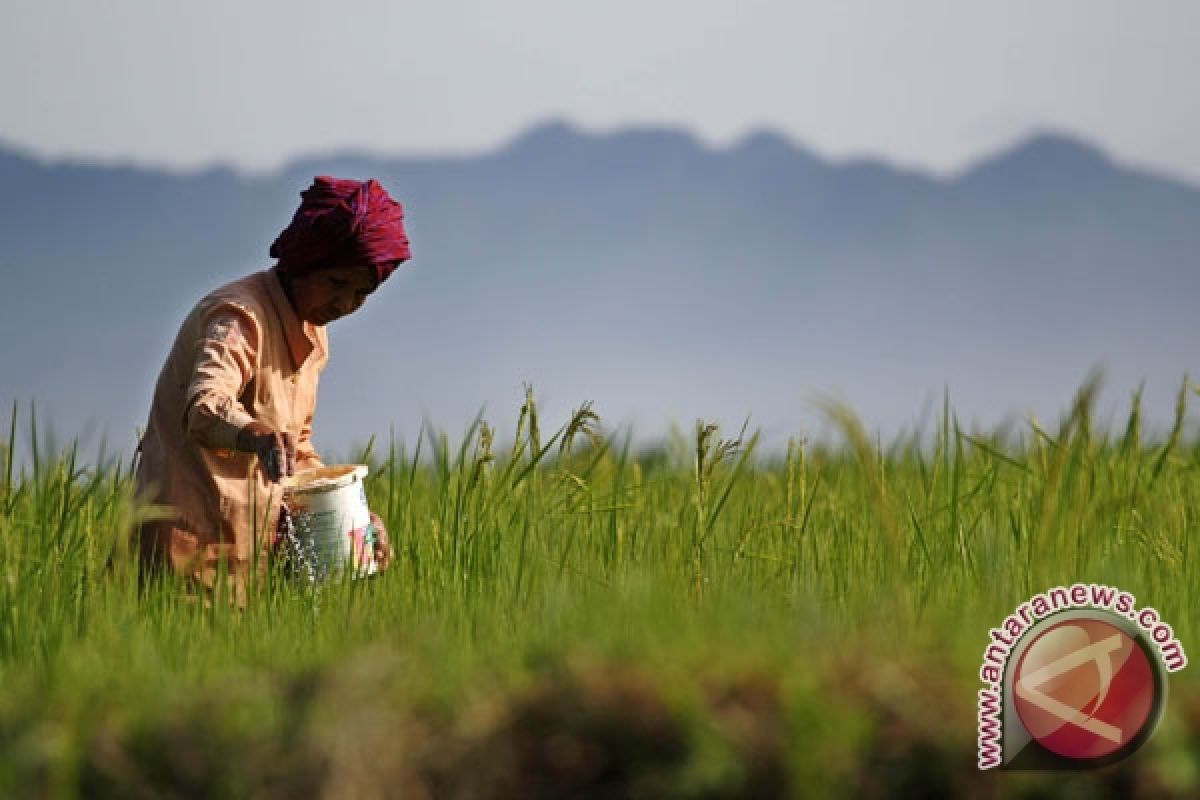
[247,294]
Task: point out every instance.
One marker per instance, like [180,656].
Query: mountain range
[660,278]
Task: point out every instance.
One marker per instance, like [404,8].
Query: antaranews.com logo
[1075,678]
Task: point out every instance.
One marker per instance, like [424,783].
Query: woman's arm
[225,362]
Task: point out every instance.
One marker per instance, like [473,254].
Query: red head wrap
[343,223]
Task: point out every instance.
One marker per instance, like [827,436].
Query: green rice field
[571,615]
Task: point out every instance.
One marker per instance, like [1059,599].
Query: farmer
[233,408]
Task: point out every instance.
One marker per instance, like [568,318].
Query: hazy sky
[932,84]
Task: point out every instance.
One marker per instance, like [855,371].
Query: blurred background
[672,209]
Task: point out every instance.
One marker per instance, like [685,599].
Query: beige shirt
[242,354]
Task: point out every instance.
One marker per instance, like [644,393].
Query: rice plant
[770,617]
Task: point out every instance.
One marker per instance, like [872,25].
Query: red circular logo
[1084,688]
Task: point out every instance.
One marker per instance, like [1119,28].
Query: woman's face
[322,296]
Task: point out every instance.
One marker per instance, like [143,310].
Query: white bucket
[331,524]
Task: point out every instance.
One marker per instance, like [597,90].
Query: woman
[233,408]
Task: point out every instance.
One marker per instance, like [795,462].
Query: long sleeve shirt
[242,354]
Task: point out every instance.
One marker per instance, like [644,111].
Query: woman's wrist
[247,437]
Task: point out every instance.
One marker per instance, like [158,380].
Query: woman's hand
[276,450]
[383,548]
